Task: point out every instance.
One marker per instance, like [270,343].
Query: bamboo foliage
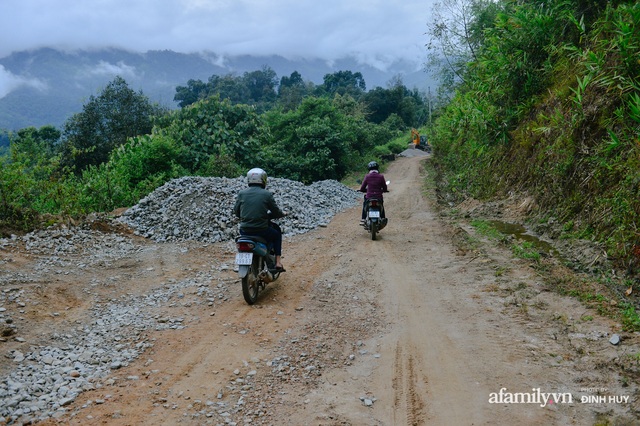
[551,105]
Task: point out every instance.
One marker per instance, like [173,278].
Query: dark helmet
[372,165]
[257,176]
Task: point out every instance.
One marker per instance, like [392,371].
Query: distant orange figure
[415,136]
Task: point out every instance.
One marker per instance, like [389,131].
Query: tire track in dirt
[417,268]
[407,395]
[447,351]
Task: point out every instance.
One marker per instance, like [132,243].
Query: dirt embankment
[418,327]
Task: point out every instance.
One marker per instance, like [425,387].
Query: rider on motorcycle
[373,185]
[255,206]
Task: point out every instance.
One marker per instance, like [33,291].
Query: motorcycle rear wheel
[251,281]
[374,229]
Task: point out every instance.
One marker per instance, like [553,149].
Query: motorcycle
[373,223]
[256,265]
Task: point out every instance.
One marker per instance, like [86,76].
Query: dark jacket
[374,184]
[255,206]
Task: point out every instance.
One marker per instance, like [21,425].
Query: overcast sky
[376,31]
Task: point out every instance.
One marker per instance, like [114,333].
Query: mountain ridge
[46,86]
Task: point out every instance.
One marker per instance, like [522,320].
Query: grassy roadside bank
[561,262]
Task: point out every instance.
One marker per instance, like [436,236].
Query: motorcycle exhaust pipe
[266,276]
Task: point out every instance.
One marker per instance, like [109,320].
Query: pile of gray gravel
[201,209]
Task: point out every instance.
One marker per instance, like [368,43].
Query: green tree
[261,86]
[518,53]
[344,83]
[35,144]
[456,33]
[215,131]
[29,184]
[252,88]
[319,140]
[16,185]
[105,123]
[397,99]
[4,141]
[394,123]
[229,87]
[294,80]
[191,93]
[292,90]
[134,170]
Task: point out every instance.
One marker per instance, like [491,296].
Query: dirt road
[416,328]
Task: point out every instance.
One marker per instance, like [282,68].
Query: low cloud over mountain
[47,86]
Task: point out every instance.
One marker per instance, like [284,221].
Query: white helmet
[258,176]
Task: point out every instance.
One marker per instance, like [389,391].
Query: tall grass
[552,108]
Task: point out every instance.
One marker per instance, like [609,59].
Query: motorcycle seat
[252,238]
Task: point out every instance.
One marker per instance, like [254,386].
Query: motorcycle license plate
[244,258]
[374,214]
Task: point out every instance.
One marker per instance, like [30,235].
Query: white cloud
[10,82]
[377,31]
[121,69]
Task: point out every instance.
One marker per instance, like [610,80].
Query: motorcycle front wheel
[251,282]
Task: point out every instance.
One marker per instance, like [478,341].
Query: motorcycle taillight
[373,203]
[245,246]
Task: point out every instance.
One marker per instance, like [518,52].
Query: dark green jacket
[255,206]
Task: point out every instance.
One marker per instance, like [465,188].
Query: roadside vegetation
[121,147]
[543,99]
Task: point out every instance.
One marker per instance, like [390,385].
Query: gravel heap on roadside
[201,209]
[48,378]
